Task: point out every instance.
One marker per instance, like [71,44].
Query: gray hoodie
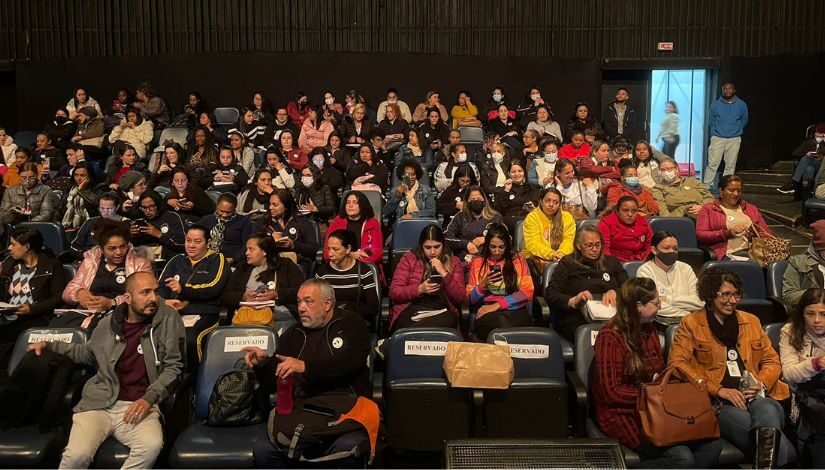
[162,343]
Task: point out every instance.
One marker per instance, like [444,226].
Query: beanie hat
[128,181]
[89,111]
[818,229]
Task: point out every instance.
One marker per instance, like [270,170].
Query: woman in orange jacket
[629,186]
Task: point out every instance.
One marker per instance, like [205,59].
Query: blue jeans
[807,169]
[699,454]
[735,425]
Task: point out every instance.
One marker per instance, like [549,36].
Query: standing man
[620,119]
[137,353]
[728,118]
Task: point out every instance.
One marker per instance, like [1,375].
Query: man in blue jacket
[728,118]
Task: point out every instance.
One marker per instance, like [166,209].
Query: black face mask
[476,206]
[668,259]
[61,120]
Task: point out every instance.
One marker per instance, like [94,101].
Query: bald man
[138,356]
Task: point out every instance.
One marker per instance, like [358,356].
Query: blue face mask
[632,181]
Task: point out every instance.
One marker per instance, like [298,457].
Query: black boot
[765,447]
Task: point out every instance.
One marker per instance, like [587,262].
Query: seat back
[213,195]
[471,135]
[670,333]
[227,115]
[518,240]
[773,330]
[177,135]
[776,271]
[682,227]
[753,280]
[585,339]
[53,235]
[536,352]
[375,198]
[25,139]
[223,351]
[408,357]
[69,272]
[36,335]
[584,222]
[406,232]
[632,267]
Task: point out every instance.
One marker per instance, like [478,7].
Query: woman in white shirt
[675,281]
[578,198]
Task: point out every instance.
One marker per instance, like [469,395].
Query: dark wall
[582,29]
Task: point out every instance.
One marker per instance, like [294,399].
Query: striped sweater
[496,293]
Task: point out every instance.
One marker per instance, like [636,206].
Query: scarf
[416,151]
[633,189]
[815,255]
[817,340]
[217,232]
[500,176]
[412,206]
[728,332]
[76,212]
[255,196]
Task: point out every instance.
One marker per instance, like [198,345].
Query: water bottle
[284,400]
[745,383]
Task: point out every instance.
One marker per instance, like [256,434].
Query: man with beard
[228,230]
[620,118]
[137,353]
[28,201]
[728,118]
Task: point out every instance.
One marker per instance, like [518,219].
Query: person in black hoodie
[227,175]
[628,125]
[517,197]
[159,229]
[32,279]
[339,154]
[327,175]
[315,199]
[265,276]
[433,133]
[451,201]
[368,170]
[292,233]
[326,352]
[61,129]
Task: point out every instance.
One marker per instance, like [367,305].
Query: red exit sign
[664,46]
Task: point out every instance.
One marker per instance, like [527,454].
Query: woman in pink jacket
[100,282]
[315,131]
[726,224]
[428,285]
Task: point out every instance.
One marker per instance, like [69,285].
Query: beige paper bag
[478,365]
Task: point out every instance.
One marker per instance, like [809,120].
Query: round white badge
[337,342]
[270,285]
[512,196]
[176,277]
[402,204]
[606,277]
[687,188]
[164,229]
[642,238]
[140,349]
[292,231]
[457,199]
[120,279]
[427,135]
[733,355]
[26,289]
[730,218]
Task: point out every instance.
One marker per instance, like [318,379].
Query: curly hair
[711,279]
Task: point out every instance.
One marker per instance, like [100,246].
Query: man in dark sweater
[229,230]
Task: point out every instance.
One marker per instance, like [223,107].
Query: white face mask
[306,181]
[498,157]
[819,139]
[535,96]
[668,176]
[329,101]
[318,160]
[551,157]
[462,157]
[497,97]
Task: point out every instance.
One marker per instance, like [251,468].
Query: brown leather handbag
[674,412]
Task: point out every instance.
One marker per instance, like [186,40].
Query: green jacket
[162,343]
[674,200]
[803,273]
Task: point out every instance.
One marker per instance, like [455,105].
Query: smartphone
[495,269]
[183,200]
[407,181]
[528,206]
[140,222]
[436,278]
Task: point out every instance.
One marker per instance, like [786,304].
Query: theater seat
[566,346]
[421,410]
[535,405]
[756,299]
[202,446]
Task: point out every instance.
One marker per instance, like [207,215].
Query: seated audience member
[368,170]
[357,216]
[541,172]
[527,109]
[315,130]
[22,155]
[226,175]
[626,233]
[7,147]
[253,202]
[445,171]
[30,200]
[413,149]
[242,154]
[451,200]
[491,108]
[298,108]
[803,357]
[454,138]
[628,354]
[123,163]
[228,231]
[544,123]
[60,130]
[90,129]
[579,198]
[630,187]
[531,147]
[431,101]
[201,152]
[588,274]
[283,176]
[376,141]
[74,156]
[192,283]
[100,281]
[159,230]
[340,155]
[163,164]
[809,153]
[577,150]
[356,287]
[505,127]
[338,365]
[465,232]
[395,128]
[32,280]
[517,198]
[718,345]
[314,197]
[333,111]
[483,154]
[549,231]
[217,133]
[392,98]
[411,198]
[185,198]
[81,98]
[291,232]
[282,122]
[250,127]
[495,170]
[465,113]
[51,157]
[805,270]
[265,277]
[261,108]
[599,165]
[433,133]
[84,239]
[137,358]
[499,288]
[324,172]
[357,126]
[131,187]
[726,224]
[151,106]
[133,130]
[80,202]
[428,285]
[677,196]
[675,280]
[646,166]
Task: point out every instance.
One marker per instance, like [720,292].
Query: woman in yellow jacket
[465,113]
[549,232]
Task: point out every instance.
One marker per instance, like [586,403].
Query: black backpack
[237,399]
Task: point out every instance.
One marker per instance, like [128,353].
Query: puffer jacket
[311,137]
[88,268]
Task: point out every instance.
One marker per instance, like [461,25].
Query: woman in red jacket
[599,164]
[626,235]
[357,216]
[726,223]
[630,186]
[577,150]
[428,285]
[628,354]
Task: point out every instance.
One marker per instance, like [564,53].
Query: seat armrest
[177,407]
[577,402]
[545,309]
[780,310]
[223,316]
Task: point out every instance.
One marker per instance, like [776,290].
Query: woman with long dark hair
[291,233]
[186,198]
[314,198]
[315,131]
[253,202]
[500,287]
[465,232]
[368,169]
[357,215]
[164,163]
[548,230]
[201,152]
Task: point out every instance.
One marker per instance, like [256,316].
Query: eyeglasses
[28,178]
[590,246]
[726,296]
[148,208]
